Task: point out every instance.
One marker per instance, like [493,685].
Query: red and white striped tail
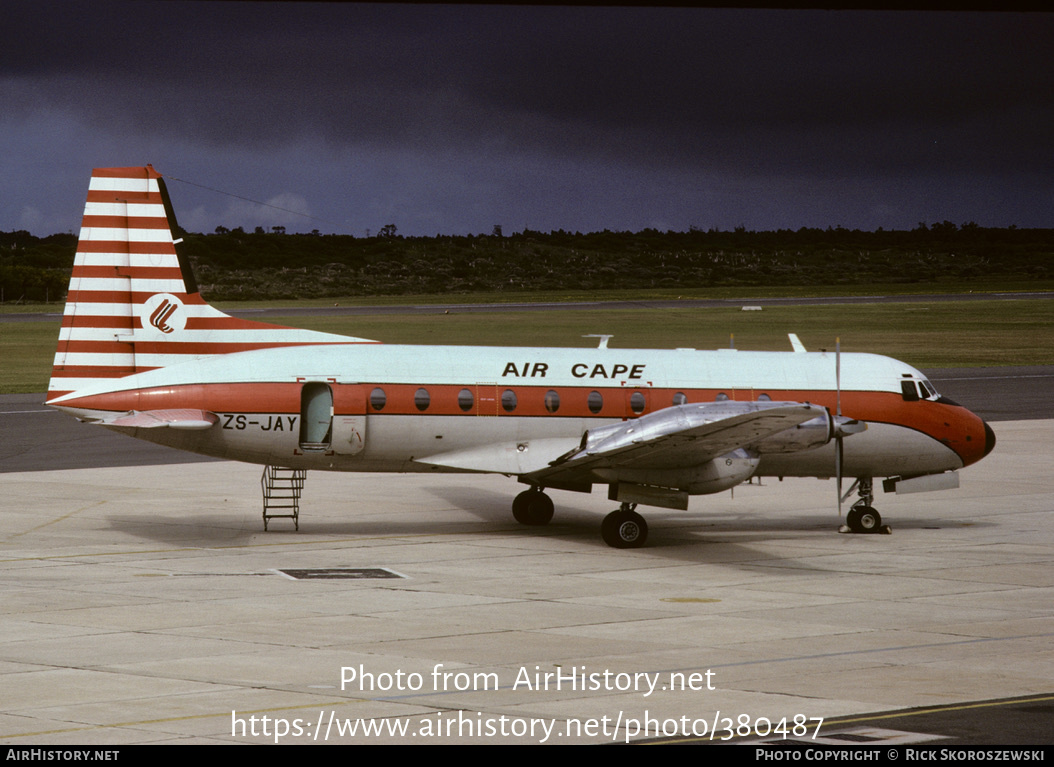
[133,304]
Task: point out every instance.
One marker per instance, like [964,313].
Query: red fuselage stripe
[957,428]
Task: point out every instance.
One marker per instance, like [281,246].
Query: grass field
[1000,285]
[948,334]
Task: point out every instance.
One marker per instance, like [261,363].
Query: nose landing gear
[862,517]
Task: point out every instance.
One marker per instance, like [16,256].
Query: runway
[144,604]
[551,306]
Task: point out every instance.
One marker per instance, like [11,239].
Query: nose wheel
[863,517]
[625,528]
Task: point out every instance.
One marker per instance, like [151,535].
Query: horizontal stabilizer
[182,418]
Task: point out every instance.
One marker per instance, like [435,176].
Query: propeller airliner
[141,352]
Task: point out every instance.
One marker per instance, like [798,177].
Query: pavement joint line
[54,521]
[349,701]
[189,717]
[840,721]
[327,541]
[939,709]
[758,662]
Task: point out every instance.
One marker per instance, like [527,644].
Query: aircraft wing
[514,458]
[689,435]
[180,418]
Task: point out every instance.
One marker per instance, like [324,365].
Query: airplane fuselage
[391,408]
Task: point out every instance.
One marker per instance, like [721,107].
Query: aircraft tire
[533,508]
[864,519]
[624,530]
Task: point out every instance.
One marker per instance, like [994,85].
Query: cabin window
[595,402]
[764,398]
[508,400]
[680,398]
[378,399]
[721,397]
[465,400]
[909,392]
[637,403]
[422,399]
[552,401]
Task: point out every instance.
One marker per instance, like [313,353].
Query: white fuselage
[513,410]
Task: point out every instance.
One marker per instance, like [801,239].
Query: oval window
[680,398]
[637,402]
[422,399]
[508,400]
[764,398]
[465,400]
[595,402]
[378,399]
[552,401]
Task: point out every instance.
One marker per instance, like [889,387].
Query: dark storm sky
[451,119]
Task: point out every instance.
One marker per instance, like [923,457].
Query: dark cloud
[454,118]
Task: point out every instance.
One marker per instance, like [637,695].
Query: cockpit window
[913,390]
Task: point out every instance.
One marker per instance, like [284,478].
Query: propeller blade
[838,471]
[838,372]
[838,438]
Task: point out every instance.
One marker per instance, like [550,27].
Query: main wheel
[624,530]
[863,519]
[532,507]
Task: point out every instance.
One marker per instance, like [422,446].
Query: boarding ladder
[281,491]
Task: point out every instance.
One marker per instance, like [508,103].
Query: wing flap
[505,457]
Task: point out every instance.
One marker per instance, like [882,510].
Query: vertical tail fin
[133,304]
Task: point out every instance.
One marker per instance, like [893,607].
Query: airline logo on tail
[164,312]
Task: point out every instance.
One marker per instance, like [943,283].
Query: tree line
[237,264]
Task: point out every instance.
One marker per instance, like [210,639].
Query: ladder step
[281,489]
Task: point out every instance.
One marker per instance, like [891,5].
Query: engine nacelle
[810,435]
[702,479]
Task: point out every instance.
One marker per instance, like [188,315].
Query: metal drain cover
[339,573]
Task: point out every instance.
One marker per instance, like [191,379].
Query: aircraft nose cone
[989,438]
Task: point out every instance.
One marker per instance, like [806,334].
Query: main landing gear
[533,507]
[622,529]
[625,528]
[863,517]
